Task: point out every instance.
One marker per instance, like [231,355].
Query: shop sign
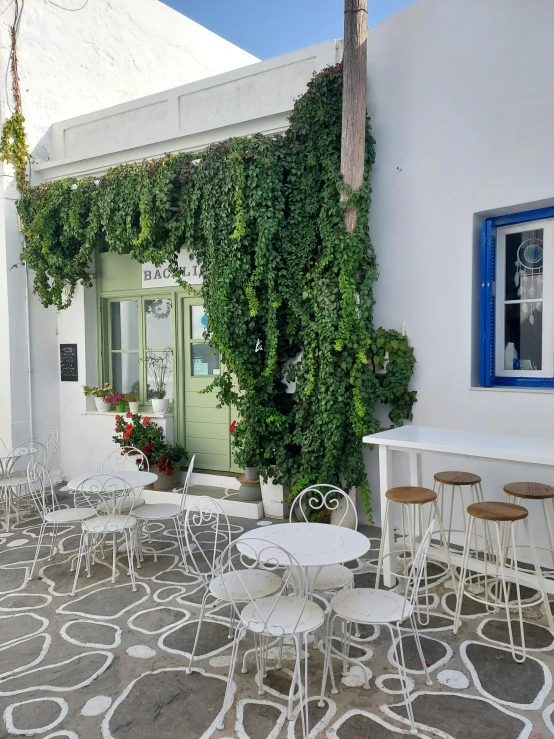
[156,277]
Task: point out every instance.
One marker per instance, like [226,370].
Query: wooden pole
[354,100]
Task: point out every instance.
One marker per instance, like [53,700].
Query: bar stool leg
[540,578]
[383,534]
[438,520]
[549,529]
[463,572]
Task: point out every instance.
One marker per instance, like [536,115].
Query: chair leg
[177,523]
[327,653]
[129,547]
[420,650]
[40,537]
[381,547]
[114,555]
[306,698]
[200,618]
[226,702]
[399,650]
[82,544]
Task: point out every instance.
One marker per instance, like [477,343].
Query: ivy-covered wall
[282,280]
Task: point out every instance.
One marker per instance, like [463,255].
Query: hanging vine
[287,291]
[13,141]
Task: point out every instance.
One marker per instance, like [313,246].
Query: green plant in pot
[245,456]
[104,396]
[163,457]
[133,400]
[159,371]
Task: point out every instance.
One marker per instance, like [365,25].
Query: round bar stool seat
[529,490]
[457,478]
[411,495]
[496,511]
[487,576]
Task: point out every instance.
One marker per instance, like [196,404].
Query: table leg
[385,468]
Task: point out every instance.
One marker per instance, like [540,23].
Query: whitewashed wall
[462,115]
[71,63]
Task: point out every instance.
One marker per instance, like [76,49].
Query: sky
[267,28]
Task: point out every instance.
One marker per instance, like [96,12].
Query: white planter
[273,498]
[160,405]
[102,406]
[344,515]
[134,407]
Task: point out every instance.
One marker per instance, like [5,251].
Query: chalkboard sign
[68,363]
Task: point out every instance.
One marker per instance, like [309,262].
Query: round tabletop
[134,478]
[311,544]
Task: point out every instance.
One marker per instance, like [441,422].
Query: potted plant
[245,457]
[159,367]
[142,433]
[119,402]
[103,396]
[133,400]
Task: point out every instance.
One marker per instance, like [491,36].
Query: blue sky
[267,28]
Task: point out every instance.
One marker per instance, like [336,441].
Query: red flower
[129,414]
[129,427]
[118,418]
[127,435]
[232,427]
[146,420]
[116,430]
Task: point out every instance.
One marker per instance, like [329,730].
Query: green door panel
[207,446]
[208,415]
[212,462]
[208,431]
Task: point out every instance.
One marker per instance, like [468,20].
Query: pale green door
[206,425]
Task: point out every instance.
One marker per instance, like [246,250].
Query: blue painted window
[517,300]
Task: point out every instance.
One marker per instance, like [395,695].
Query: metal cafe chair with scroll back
[288,613]
[208,533]
[107,494]
[327,500]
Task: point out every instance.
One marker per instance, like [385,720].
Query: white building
[461,98]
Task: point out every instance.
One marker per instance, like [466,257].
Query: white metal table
[417,439]
[311,544]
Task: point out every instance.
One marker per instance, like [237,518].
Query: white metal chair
[107,493]
[51,444]
[287,613]
[318,499]
[372,606]
[42,491]
[13,475]
[127,459]
[165,512]
[208,533]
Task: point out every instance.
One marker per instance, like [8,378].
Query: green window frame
[140,347]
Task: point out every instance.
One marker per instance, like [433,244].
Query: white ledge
[123,413]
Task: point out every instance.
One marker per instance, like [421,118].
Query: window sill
[122,413]
[511,389]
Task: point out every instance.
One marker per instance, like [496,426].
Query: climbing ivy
[13,147]
[287,291]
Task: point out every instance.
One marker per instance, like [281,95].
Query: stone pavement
[110,664]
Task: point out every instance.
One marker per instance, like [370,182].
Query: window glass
[159,323]
[198,321]
[159,374]
[523,339]
[124,320]
[204,362]
[125,372]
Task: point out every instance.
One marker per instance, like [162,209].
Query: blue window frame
[517,300]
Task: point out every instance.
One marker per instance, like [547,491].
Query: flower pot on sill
[120,407]
[134,407]
[102,406]
[160,405]
[249,489]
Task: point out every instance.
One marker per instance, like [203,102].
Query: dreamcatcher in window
[528,274]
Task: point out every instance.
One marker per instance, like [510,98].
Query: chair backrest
[109,493]
[318,499]
[126,459]
[253,553]
[186,484]
[41,489]
[207,534]
[19,456]
[51,446]
[417,568]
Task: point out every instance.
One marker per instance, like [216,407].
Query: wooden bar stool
[411,501]
[489,567]
[457,485]
[536,491]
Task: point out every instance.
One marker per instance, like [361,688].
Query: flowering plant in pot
[159,369]
[144,434]
[243,456]
[104,396]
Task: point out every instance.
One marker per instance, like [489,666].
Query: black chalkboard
[68,363]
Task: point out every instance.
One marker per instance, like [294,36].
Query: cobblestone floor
[109,663]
